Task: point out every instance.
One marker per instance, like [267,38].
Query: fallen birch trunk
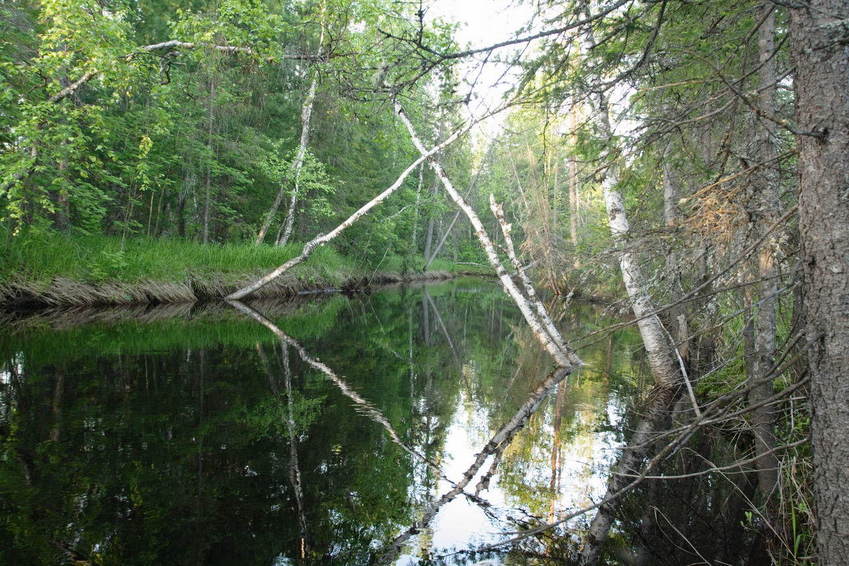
[363,210]
[564,357]
[506,228]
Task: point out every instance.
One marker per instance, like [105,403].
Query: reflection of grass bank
[53,270]
[76,333]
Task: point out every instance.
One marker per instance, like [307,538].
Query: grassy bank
[55,270]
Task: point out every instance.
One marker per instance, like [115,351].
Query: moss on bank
[57,270]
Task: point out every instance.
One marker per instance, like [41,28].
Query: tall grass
[98,258]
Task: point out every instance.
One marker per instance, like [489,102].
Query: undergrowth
[97,258]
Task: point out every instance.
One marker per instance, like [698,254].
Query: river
[336,430]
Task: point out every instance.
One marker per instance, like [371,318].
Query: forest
[643,199]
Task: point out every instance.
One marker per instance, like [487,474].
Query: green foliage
[195,141]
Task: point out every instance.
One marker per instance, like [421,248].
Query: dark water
[184,436]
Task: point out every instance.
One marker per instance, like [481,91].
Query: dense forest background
[693,151]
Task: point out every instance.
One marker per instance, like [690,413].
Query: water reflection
[399,427]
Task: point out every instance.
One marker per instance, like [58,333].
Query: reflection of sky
[585,457]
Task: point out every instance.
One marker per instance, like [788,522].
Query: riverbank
[56,271]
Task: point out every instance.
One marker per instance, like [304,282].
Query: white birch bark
[563,358]
[548,324]
[306,117]
[660,356]
[363,210]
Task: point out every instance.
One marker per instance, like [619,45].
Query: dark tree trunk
[821,57]
[764,206]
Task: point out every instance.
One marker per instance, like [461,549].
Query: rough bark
[820,49]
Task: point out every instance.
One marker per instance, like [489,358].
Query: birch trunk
[363,210]
[655,337]
[573,187]
[306,117]
[431,257]
[564,357]
[415,239]
[303,144]
[542,313]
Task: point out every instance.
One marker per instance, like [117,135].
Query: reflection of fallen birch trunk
[564,357]
[363,406]
[495,446]
[622,481]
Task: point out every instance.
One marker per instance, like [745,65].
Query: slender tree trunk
[63,205]
[306,118]
[430,257]
[565,358]
[430,226]
[821,60]
[207,197]
[766,212]
[573,186]
[415,238]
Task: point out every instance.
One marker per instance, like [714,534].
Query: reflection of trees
[654,418]
[122,472]
[147,467]
[291,427]
[493,448]
[130,446]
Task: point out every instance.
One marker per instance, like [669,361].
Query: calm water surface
[328,432]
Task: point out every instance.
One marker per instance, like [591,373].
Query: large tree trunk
[821,57]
